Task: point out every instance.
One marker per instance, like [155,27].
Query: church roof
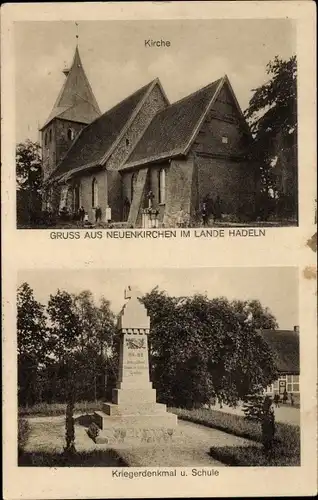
[95,142]
[172,130]
[76,101]
[285,346]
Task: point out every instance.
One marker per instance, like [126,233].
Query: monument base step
[164,420]
[114,410]
[136,436]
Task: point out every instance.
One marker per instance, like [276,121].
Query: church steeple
[76,101]
[74,108]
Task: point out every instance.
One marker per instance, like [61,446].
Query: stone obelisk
[134,412]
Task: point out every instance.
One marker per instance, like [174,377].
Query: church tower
[74,108]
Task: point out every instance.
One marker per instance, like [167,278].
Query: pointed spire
[76,101]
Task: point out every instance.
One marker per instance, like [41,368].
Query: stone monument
[134,413]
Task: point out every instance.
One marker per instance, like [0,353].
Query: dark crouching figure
[268,425]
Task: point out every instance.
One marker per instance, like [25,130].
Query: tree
[81,338]
[29,180]
[32,342]
[203,348]
[272,116]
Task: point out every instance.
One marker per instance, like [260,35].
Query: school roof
[95,142]
[173,129]
[284,344]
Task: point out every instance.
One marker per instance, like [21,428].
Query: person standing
[98,214]
[81,213]
[204,214]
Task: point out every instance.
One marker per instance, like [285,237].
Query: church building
[145,159]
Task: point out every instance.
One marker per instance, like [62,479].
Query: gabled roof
[96,141]
[172,130]
[285,347]
[76,101]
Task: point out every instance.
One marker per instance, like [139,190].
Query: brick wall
[222,131]
[179,192]
[86,183]
[119,190]
[154,103]
[220,148]
[55,149]
[232,181]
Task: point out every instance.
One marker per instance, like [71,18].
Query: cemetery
[130,426]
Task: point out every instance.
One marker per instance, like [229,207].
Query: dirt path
[190,448]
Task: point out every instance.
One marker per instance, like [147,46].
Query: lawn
[287,439]
[54,409]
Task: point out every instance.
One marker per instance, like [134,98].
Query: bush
[23,433]
[286,449]
[239,425]
[93,431]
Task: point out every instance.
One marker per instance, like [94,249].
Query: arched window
[94,193]
[133,185]
[162,186]
[50,135]
[45,138]
[70,134]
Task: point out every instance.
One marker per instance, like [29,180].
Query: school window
[162,186]
[94,193]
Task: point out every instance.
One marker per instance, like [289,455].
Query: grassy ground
[287,439]
[52,409]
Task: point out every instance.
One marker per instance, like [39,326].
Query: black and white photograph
[159,368]
[147,124]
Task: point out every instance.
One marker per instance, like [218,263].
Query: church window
[127,142]
[94,193]
[50,135]
[45,138]
[70,134]
[162,186]
[225,139]
[133,185]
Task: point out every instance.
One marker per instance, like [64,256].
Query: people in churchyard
[98,214]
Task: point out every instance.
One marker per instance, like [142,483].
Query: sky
[117,62]
[275,287]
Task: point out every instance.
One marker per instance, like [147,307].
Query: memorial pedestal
[134,415]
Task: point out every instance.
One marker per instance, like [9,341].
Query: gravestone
[134,413]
